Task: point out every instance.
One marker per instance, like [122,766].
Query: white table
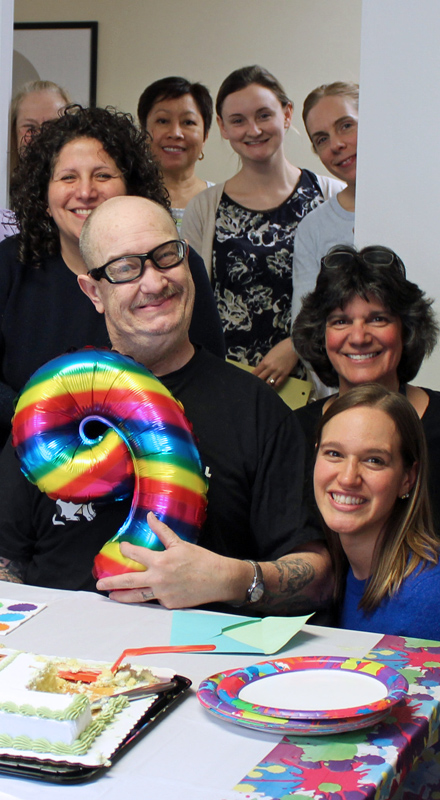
[188,755]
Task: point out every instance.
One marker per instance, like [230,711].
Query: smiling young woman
[245,228]
[370,484]
[359,474]
[330,115]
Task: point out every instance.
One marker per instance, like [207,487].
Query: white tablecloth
[189,755]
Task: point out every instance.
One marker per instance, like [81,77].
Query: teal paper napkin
[233,634]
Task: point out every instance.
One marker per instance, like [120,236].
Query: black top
[44,313]
[252,269]
[308,417]
[254,452]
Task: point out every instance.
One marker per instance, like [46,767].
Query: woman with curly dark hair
[55,158]
[365,322]
[70,167]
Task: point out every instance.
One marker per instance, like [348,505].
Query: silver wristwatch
[256,589]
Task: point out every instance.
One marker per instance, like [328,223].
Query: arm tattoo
[11,571]
[291,596]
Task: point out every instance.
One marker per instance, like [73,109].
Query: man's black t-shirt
[253,451]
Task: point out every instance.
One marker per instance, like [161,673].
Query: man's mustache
[168,291]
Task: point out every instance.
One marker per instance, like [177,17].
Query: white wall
[6,28]
[398,178]
[303,42]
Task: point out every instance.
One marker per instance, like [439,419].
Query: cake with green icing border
[47,722]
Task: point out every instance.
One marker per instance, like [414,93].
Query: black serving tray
[59,772]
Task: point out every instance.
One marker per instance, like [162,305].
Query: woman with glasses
[34,103]
[177,115]
[365,322]
[244,229]
[371,489]
[70,167]
[330,115]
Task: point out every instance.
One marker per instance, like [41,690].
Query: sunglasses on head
[374,256]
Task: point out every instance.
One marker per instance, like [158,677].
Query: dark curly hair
[351,274]
[170,89]
[38,235]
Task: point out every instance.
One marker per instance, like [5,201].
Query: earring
[405,496]
[201,156]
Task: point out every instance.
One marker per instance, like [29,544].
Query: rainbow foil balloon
[95,424]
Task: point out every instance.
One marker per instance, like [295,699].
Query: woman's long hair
[408,541]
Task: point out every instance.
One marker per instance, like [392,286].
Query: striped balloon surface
[94,424]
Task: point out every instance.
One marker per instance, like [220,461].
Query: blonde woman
[330,115]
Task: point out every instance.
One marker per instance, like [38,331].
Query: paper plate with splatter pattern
[312,694]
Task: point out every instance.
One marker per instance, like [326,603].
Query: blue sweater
[413,611]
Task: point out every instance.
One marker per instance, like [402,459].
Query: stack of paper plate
[305,696]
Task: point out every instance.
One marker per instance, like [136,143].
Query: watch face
[256,593]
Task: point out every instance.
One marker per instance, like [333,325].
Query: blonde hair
[338,88]
[408,541]
[29,88]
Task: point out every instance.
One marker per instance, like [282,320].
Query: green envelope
[233,634]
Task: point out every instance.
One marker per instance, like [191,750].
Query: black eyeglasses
[374,256]
[128,268]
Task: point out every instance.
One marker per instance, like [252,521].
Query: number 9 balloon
[96,424]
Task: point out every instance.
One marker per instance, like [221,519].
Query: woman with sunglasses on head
[244,229]
[177,116]
[330,115]
[371,490]
[366,322]
[74,164]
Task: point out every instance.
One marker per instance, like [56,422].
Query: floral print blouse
[252,269]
